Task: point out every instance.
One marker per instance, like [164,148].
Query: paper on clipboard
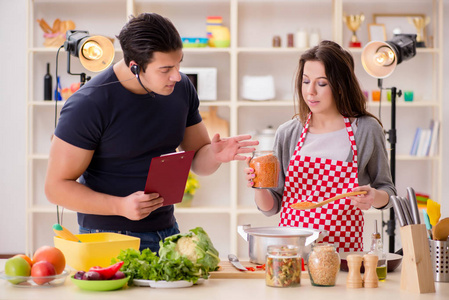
[168,174]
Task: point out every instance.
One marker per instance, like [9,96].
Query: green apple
[17,266]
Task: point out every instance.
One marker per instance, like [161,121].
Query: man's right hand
[139,205]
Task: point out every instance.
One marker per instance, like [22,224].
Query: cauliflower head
[187,246]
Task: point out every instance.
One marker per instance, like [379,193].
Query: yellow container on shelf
[221,37]
[95,249]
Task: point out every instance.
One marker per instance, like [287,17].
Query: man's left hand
[227,149]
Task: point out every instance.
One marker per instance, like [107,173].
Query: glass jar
[266,168]
[283,266]
[323,264]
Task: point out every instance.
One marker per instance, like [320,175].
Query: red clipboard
[168,174]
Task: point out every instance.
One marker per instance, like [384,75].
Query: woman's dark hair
[339,67]
[145,34]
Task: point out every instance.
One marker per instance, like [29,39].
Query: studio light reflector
[95,53]
[379,59]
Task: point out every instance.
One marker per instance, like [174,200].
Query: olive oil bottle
[378,249]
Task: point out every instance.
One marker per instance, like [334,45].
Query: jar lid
[323,247]
[283,250]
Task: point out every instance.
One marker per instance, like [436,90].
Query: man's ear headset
[135,69]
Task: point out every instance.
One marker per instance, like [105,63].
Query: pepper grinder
[370,277]
[354,279]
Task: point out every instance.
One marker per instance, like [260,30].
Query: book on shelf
[425,142]
[415,141]
[433,148]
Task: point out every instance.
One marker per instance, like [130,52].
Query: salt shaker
[370,279]
[354,279]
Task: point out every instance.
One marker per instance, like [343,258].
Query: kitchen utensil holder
[439,254]
[416,273]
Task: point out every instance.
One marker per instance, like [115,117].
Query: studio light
[379,59]
[95,53]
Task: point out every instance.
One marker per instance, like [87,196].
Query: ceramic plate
[162,284]
[100,285]
[28,281]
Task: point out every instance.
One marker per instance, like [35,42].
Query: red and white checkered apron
[317,179]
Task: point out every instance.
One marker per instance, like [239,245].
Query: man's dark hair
[145,34]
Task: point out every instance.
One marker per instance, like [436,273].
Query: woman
[332,146]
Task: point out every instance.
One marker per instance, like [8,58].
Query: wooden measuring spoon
[310,205]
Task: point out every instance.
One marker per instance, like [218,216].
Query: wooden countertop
[241,288]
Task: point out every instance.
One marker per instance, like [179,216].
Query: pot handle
[242,232]
[316,236]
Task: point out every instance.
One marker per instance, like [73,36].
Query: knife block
[416,273]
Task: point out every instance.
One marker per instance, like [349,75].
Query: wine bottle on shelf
[48,84]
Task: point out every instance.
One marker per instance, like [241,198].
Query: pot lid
[280,231]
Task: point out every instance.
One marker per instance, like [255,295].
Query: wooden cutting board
[228,271]
[214,123]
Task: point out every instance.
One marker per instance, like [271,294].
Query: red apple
[41,269]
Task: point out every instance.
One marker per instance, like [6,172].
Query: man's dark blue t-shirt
[126,131]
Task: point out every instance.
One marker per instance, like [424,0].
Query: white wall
[445,179]
[13,20]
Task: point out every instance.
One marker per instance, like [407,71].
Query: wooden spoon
[310,205]
[441,230]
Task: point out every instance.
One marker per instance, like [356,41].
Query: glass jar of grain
[323,264]
[266,168]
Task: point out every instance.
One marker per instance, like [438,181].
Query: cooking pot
[259,238]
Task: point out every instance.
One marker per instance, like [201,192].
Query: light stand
[379,59]
[95,53]
[83,77]
[392,139]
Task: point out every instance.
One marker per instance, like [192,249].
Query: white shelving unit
[223,201]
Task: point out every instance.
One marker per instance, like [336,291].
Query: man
[109,131]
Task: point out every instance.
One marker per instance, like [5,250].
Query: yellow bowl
[95,249]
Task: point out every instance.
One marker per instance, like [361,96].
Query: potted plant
[192,185]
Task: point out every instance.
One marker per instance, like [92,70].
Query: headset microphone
[135,69]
